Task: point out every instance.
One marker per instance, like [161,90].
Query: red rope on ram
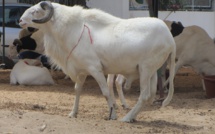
[91,39]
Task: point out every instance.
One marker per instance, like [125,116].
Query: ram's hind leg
[145,95]
[119,82]
[78,88]
[153,90]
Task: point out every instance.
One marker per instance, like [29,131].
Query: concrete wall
[120,8]
[114,7]
[206,20]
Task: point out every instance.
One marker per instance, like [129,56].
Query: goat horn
[46,5]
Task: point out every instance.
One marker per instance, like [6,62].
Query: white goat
[30,72]
[91,42]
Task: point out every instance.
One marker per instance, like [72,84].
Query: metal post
[155,8]
[3,33]
[193,5]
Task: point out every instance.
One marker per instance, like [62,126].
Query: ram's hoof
[73,115]
[158,101]
[128,120]
[125,107]
[115,106]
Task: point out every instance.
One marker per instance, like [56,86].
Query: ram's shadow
[160,125]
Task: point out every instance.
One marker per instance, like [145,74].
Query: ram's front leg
[110,81]
[100,78]
[78,88]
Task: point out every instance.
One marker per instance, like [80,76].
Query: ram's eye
[33,12]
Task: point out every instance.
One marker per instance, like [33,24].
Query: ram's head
[37,14]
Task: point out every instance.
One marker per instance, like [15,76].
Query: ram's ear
[45,5]
[17,42]
[180,24]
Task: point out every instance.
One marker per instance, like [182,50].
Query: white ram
[91,42]
[30,72]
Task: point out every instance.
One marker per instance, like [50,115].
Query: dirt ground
[45,109]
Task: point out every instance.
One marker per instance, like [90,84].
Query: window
[174,5]
[138,5]
[197,4]
[12,15]
[190,5]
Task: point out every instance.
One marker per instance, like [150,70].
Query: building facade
[190,12]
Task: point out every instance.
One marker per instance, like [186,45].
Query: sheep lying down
[30,72]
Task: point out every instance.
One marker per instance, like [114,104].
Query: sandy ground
[44,109]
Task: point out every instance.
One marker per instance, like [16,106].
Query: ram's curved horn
[46,5]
